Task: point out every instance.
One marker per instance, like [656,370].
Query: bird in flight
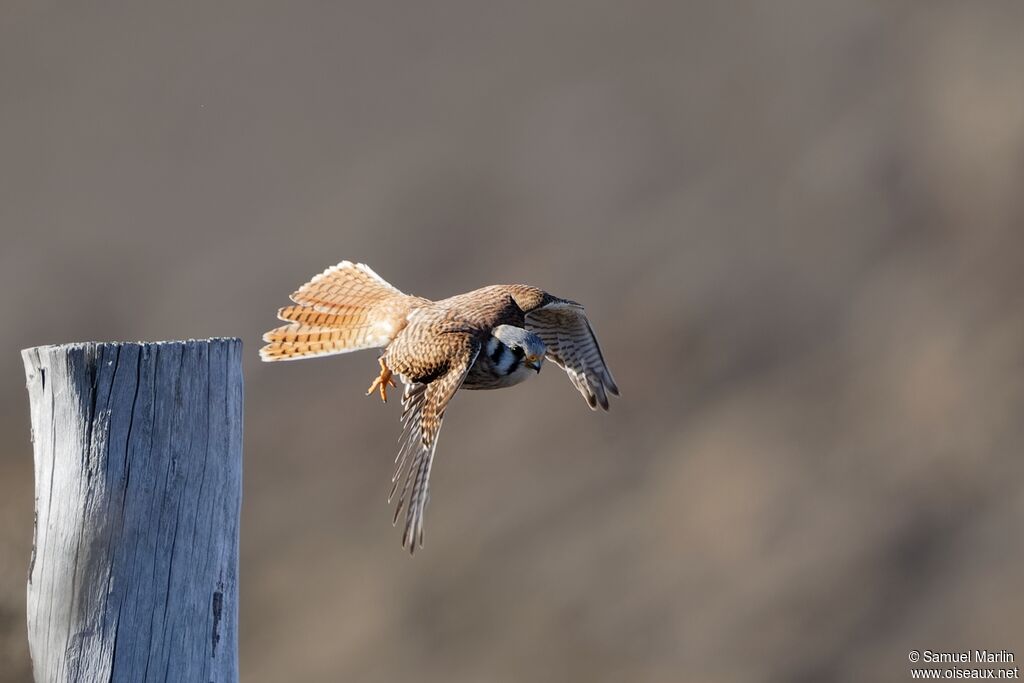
[490,338]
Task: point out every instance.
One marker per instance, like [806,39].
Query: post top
[75,346]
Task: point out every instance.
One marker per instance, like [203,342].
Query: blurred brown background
[797,228]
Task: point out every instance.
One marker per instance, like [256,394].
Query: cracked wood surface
[138,459]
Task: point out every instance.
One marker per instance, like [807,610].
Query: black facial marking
[514,358]
[499,348]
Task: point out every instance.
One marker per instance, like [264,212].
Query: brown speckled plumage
[437,347]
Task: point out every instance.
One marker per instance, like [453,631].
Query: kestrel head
[514,349]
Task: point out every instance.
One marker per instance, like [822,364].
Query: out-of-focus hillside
[797,231]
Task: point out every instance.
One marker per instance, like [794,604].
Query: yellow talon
[382,381]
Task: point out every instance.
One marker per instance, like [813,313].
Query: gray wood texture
[138,472]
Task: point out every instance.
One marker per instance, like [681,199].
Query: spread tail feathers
[347,307]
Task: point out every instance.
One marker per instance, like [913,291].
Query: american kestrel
[489,338]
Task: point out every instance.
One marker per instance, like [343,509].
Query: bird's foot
[382,381]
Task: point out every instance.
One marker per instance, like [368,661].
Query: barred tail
[347,307]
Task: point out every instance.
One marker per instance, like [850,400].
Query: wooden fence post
[138,463]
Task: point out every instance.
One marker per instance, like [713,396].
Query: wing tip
[412,535]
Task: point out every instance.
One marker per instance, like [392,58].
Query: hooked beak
[534,364]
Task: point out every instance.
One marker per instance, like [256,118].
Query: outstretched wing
[572,345]
[423,407]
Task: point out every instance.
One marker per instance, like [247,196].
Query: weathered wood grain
[138,463]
